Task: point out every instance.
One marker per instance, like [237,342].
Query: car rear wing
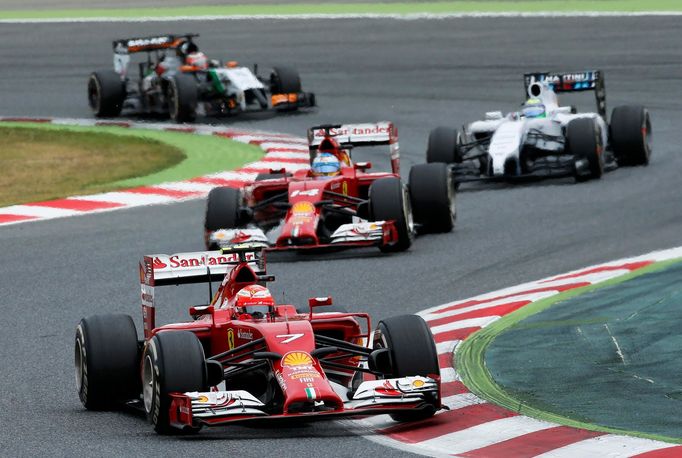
[126,46]
[356,135]
[592,80]
[153,43]
[195,267]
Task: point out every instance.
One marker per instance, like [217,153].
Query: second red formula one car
[245,358]
[335,203]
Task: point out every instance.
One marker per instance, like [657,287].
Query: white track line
[399,17]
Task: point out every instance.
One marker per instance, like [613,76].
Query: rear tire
[389,201]
[631,134]
[222,211]
[433,197]
[173,361]
[583,142]
[106,93]
[107,361]
[412,352]
[182,96]
[442,146]
[285,80]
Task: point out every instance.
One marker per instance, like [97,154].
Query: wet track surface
[418,74]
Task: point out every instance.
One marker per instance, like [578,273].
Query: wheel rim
[79,363]
[451,196]
[646,134]
[407,209]
[148,381]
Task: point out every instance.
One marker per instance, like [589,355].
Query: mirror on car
[363,166]
[319,301]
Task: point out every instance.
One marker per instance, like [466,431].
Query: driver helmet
[255,300]
[326,164]
[198,60]
[534,108]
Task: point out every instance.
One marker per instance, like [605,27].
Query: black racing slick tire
[412,352]
[583,141]
[433,197]
[182,97]
[285,80]
[107,361]
[106,93]
[222,210]
[442,146]
[172,362]
[631,134]
[389,201]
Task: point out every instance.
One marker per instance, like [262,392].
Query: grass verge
[186,156]
[470,359]
[523,6]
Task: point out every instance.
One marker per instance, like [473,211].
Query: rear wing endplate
[592,80]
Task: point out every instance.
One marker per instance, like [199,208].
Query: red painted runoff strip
[669,452]
[445,359]
[77,204]
[289,160]
[113,123]
[20,119]
[452,388]
[162,192]
[275,139]
[189,130]
[7,218]
[533,444]
[233,183]
[558,288]
[447,422]
[497,310]
[629,266]
[455,334]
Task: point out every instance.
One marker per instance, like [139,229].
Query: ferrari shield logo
[230,338]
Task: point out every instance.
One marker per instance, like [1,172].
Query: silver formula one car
[545,139]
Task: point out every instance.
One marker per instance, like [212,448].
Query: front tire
[584,142]
[285,80]
[433,197]
[389,201]
[107,361]
[412,352]
[222,211]
[631,134]
[182,96]
[173,361]
[106,93]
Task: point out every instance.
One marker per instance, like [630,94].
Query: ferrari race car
[243,358]
[352,207]
[178,80]
[546,139]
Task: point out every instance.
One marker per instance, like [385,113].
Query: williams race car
[178,80]
[335,203]
[243,358]
[545,139]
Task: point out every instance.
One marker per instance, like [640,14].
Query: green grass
[470,358]
[360,8]
[205,154]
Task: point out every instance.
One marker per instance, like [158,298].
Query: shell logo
[418,383]
[297,358]
[303,208]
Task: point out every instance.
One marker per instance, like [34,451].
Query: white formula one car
[546,139]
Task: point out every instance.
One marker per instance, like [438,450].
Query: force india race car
[230,365]
[562,142]
[177,80]
[353,208]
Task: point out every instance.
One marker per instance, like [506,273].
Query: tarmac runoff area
[608,357]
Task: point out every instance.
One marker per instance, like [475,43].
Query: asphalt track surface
[417,73]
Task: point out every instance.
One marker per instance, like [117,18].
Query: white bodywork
[237,81]
[510,132]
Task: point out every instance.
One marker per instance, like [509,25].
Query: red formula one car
[244,358]
[335,207]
